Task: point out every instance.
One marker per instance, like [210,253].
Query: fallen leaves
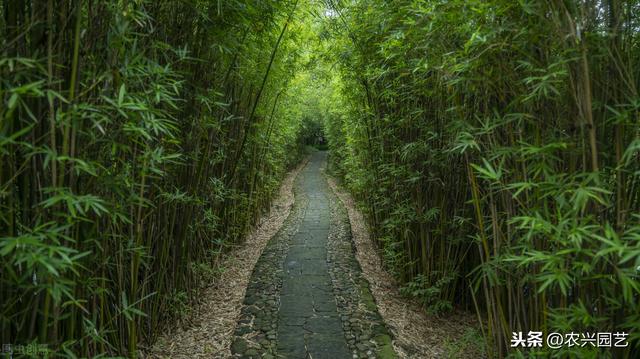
[212,323]
[416,334]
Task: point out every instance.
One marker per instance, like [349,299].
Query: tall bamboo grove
[495,148]
[139,140]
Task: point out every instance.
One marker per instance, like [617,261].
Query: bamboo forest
[320,179]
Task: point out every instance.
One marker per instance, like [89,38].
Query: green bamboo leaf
[121,94]
[488,172]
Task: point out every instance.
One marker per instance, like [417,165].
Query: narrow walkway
[308,321]
[306,297]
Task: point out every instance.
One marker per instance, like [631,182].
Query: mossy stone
[238,346]
[385,348]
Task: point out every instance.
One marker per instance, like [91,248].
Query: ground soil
[240,314]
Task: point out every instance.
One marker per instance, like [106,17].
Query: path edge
[388,349]
[219,312]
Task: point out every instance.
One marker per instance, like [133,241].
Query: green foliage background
[494,148]
[139,141]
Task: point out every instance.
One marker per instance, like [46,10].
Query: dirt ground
[211,324]
[209,330]
[416,334]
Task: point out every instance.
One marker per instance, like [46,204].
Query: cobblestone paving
[306,297]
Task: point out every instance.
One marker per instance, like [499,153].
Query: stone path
[306,297]
[308,321]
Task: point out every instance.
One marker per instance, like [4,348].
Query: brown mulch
[416,334]
[213,321]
